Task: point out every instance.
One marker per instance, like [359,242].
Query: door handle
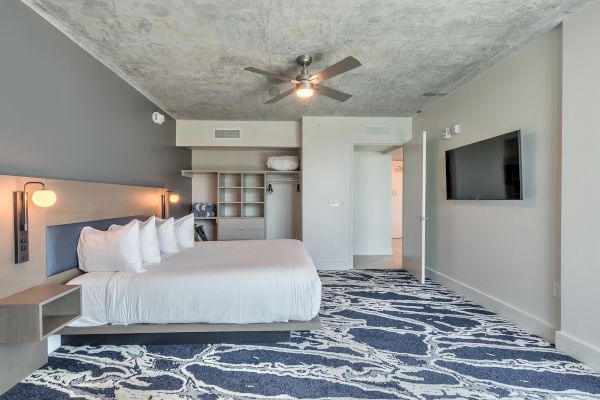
[422,218]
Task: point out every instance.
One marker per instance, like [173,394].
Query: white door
[414,206]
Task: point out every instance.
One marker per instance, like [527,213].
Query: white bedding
[215,282]
[93,298]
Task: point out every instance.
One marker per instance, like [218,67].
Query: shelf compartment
[230,195]
[210,227]
[253,180]
[52,323]
[230,210]
[254,195]
[253,210]
[230,179]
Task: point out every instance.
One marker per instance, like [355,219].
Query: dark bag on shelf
[200,234]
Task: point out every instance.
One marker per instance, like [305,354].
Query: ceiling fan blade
[270,75]
[281,96]
[345,65]
[334,94]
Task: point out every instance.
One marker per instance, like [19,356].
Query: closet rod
[290,181]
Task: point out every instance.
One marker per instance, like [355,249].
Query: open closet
[284,205]
[252,202]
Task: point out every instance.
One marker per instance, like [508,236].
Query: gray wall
[503,254]
[65,115]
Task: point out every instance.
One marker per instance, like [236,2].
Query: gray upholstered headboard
[61,242]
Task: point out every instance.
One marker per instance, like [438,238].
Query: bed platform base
[185,333]
[176,338]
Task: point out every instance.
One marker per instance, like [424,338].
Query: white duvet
[237,282]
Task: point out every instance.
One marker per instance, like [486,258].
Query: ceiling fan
[306,84]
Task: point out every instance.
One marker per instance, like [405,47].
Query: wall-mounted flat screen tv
[486,170]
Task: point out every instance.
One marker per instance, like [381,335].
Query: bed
[225,291]
[232,282]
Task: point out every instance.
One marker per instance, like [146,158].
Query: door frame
[391,145]
[418,271]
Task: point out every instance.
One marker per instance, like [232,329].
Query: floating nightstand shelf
[36,313]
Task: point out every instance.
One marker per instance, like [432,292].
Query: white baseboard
[373,251]
[333,265]
[582,351]
[508,311]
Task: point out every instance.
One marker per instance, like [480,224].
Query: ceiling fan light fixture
[305,90]
[306,83]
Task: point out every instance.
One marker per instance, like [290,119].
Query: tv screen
[486,170]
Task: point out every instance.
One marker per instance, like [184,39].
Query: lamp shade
[305,89]
[173,198]
[44,198]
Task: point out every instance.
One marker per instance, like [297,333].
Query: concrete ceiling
[188,55]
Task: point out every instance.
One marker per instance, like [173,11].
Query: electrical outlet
[556,289]
[334,243]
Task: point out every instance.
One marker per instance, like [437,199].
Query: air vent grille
[228,134]
[377,130]
[435,94]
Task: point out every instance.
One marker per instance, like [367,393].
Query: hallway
[381,262]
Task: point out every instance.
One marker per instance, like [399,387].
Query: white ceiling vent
[228,134]
[377,130]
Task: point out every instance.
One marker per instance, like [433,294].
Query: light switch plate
[334,203]
[556,289]
[21,236]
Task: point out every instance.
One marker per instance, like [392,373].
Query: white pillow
[149,236]
[167,240]
[118,250]
[184,230]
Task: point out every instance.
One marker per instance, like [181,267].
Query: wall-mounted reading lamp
[41,198]
[168,197]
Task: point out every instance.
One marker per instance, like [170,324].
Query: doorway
[377,207]
[397,204]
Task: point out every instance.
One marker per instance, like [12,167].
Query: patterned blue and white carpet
[384,336]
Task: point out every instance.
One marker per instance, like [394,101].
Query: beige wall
[504,254]
[227,158]
[580,259]
[327,152]
[194,133]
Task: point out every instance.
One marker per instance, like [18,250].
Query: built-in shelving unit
[241,194]
[241,198]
